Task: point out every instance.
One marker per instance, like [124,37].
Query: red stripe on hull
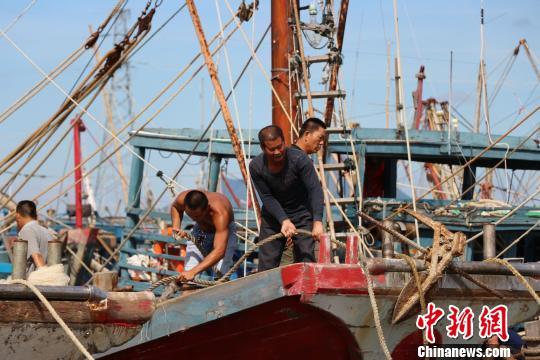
[281,329]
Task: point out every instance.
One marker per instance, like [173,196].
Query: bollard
[325,250]
[489,241]
[54,252]
[388,241]
[532,339]
[20,251]
[351,255]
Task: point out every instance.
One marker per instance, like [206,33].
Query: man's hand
[186,276]
[288,229]
[178,233]
[317,230]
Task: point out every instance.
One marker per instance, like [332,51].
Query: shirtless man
[214,231]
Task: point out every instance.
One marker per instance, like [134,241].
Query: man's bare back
[212,212]
[221,211]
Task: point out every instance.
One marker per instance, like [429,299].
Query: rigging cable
[168,102]
[235,103]
[147,213]
[18,17]
[257,60]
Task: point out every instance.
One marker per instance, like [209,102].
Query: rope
[375,309]
[238,263]
[141,127]
[421,294]
[469,162]
[414,269]
[520,277]
[18,17]
[257,60]
[189,155]
[55,315]
[518,239]
[506,216]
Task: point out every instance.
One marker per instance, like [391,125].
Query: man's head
[312,135]
[196,204]
[272,142]
[25,212]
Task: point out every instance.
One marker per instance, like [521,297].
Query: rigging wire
[209,126]
[76,103]
[18,17]
[476,157]
[168,102]
[116,11]
[235,103]
[258,61]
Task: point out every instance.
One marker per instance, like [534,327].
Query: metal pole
[419,94]
[388,241]
[213,173]
[77,128]
[54,252]
[66,293]
[489,241]
[20,251]
[335,67]
[377,266]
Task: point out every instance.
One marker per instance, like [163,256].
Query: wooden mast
[238,150]
[283,83]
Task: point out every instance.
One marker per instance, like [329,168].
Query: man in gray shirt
[36,235]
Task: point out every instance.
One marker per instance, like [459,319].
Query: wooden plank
[130,308]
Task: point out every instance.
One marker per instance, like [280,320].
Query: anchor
[446,245]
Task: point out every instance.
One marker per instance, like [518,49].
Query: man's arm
[38,260]
[271,204]
[314,188]
[221,237]
[177,213]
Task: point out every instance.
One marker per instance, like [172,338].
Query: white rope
[55,315]
[258,61]
[403,121]
[237,113]
[249,188]
[23,12]
[113,135]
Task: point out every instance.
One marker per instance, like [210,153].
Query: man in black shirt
[311,136]
[292,198]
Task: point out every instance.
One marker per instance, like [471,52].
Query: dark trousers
[270,253]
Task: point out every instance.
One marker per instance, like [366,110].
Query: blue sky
[429,31]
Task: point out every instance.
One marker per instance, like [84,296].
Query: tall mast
[283,83]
